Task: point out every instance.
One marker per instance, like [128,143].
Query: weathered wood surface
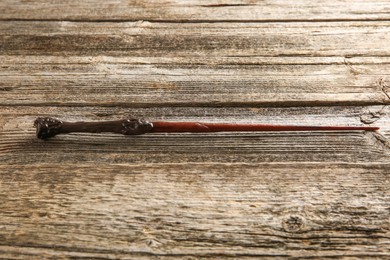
[209,210]
[104,196]
[195,11]
[141,64]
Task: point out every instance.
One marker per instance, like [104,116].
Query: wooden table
[189,196]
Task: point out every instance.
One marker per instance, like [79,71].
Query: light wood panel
[195,210]
[195,11]
[135,82]
[173,64]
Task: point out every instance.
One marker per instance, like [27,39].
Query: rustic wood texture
[144,64]
[190,196]
[195,10]
[207,210]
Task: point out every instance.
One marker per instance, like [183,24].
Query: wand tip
[372,128]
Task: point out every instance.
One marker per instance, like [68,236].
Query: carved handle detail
[48,127]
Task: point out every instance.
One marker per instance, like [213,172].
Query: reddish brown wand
[48,127]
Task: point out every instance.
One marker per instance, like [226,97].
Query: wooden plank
[132,82]
[149,39]
[195,210]
[142,64]
[18,144]
[195,11]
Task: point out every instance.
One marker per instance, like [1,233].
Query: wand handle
[47,127]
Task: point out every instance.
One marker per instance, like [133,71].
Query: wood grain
[150,39]
[195,11]
[197,210]
[194,196]
[174,64]
[133,82]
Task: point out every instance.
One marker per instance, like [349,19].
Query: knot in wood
[293,224]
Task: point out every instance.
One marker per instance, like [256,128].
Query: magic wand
[47,127]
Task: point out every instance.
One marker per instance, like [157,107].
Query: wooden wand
[48,127]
